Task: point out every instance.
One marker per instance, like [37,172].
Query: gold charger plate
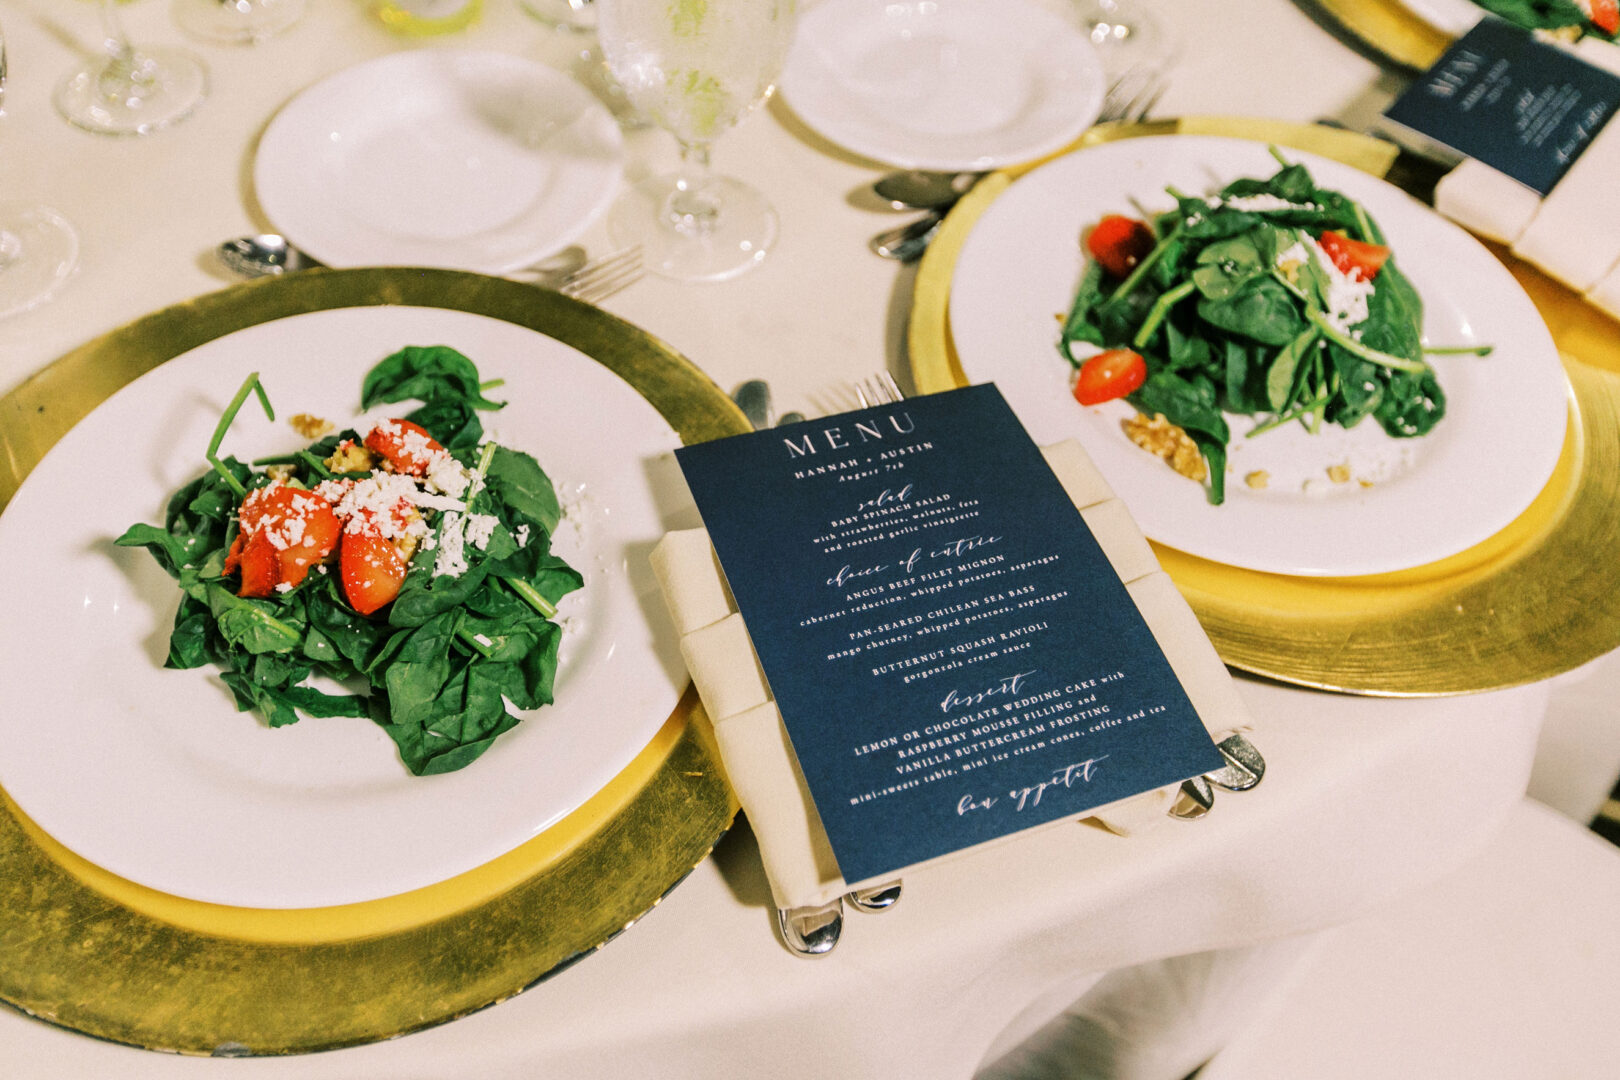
[1391,29]
[89,951]
[1537,599]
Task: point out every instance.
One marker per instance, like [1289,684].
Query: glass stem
[124,77]
[692,208]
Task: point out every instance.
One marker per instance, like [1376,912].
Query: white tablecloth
[1364,799]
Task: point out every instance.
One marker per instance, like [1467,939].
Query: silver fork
[1132,96]
[600,278]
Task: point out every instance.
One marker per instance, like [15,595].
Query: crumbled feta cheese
[1346,301]
[522,536]
[450,559]
[1260,203]
[480,527]
[447,475]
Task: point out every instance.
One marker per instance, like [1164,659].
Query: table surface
[700,987]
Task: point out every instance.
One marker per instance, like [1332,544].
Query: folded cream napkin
[1573,234]
[754,745]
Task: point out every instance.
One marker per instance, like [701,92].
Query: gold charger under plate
[1539,598]
[1389,28]
[89,951]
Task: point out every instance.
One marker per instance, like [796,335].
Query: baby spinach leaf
[188,641]
[519,481]
[1282,386]
[254,626]
[428,374]
[1260,308]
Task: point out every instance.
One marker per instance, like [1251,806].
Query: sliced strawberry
[406,446]
[1354,258]
[320,536]
[298,528]
[1119,243]
[260,566]
[233,557]
[1606,15]
[372,571]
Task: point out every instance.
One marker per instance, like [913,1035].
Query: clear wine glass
[38,248]
[131,91]
[1126,34]
[564,14]
[236,22]
[695,68]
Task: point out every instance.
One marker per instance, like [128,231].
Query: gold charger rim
[87,951]
[1532,602]
[1390,29]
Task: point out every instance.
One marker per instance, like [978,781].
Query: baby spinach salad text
[414,561]
[1274,299]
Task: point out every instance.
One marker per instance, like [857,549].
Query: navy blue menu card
[1498,95]
[954,657]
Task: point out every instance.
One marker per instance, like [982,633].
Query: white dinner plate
[1454,17]
[154,775]
[943,84]
[1423,499]
[1457,17]
[464,160]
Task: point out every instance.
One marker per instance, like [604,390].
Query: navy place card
[954,657]
[1500,96]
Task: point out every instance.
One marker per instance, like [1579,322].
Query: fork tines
[879,389]
[603,277]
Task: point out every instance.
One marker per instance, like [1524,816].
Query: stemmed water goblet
[1126,33]
[563,14]
[236,22]
[130,91]
[38,248]
[695,68]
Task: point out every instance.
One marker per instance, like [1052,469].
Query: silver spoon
[267,253]
[754,399]
[919,189]
[270,253]
[908,242]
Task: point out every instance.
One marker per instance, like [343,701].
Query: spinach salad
[1273,299]
[1565,18]
[414,561]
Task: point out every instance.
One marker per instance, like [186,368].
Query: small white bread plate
[943,84]
[464,160]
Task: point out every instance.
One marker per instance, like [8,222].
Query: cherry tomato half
[1119,243]
[1354,258]
[1109,375]
[406,446]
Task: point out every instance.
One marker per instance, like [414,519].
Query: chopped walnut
[1339,474]
[350,456]
[1161,438]
[310,427]
[1258,479]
